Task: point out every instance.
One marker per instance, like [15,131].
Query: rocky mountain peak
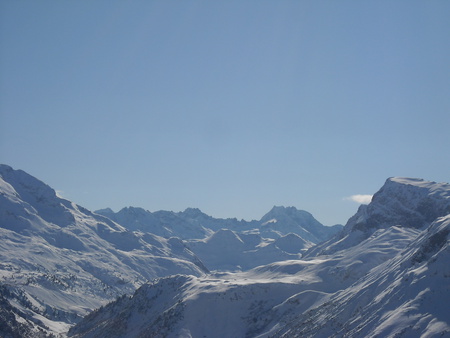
[408,202]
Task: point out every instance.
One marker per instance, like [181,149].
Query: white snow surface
[393,281]
[228,244]
[387,274]
[226,250]
[61,261]
[271,300]
[406,202]
[194,224]
[405,296]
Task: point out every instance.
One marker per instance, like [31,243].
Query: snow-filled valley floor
[67,271]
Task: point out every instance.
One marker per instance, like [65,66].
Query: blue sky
[228,106]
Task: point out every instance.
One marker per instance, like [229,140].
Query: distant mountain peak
[105,211]
[193,212]
[284,212]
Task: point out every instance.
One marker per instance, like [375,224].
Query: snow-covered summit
[283,220]
[22,188]
[409,202]
[192,223]
[230,244]
[406,202]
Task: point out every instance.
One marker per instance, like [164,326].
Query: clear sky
[228,106]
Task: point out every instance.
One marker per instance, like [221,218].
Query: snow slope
[386,274]
[406,296]
[242,304]
[392,279]
[226,250]
[228,244]
[58,261]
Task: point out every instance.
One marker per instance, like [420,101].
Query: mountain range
[59,261]
[192,223]
[229,244]
[67,271]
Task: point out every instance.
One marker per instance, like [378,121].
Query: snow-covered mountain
[387,274]
[58,261]
[406,202]
[228,244]
[191,223]
[281,221]
[194,224]
[226,250]
[406,296]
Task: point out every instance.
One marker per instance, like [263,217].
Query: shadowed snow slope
[58,261]
[392,280]
[386,274]
[406,296]
[226,250]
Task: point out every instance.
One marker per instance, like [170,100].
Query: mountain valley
[67,271]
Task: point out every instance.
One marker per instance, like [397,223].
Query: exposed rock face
[406,202]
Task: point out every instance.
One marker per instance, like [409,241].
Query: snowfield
[386,274]
[59,261]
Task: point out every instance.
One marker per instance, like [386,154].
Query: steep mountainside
[391,279]
[406,202]
[58,261]
[406,296]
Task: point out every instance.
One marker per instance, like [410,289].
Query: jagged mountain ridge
[194,224]
[391,281]
[395,268]
[58,261]
[228,244]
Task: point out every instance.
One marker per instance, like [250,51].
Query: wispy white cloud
[361,199]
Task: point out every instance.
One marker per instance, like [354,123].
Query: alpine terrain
[59,261]
[67,271]
[228,244]
[387,274]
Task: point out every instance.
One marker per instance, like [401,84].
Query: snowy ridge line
[60,261]
[194,224]
[385,274]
